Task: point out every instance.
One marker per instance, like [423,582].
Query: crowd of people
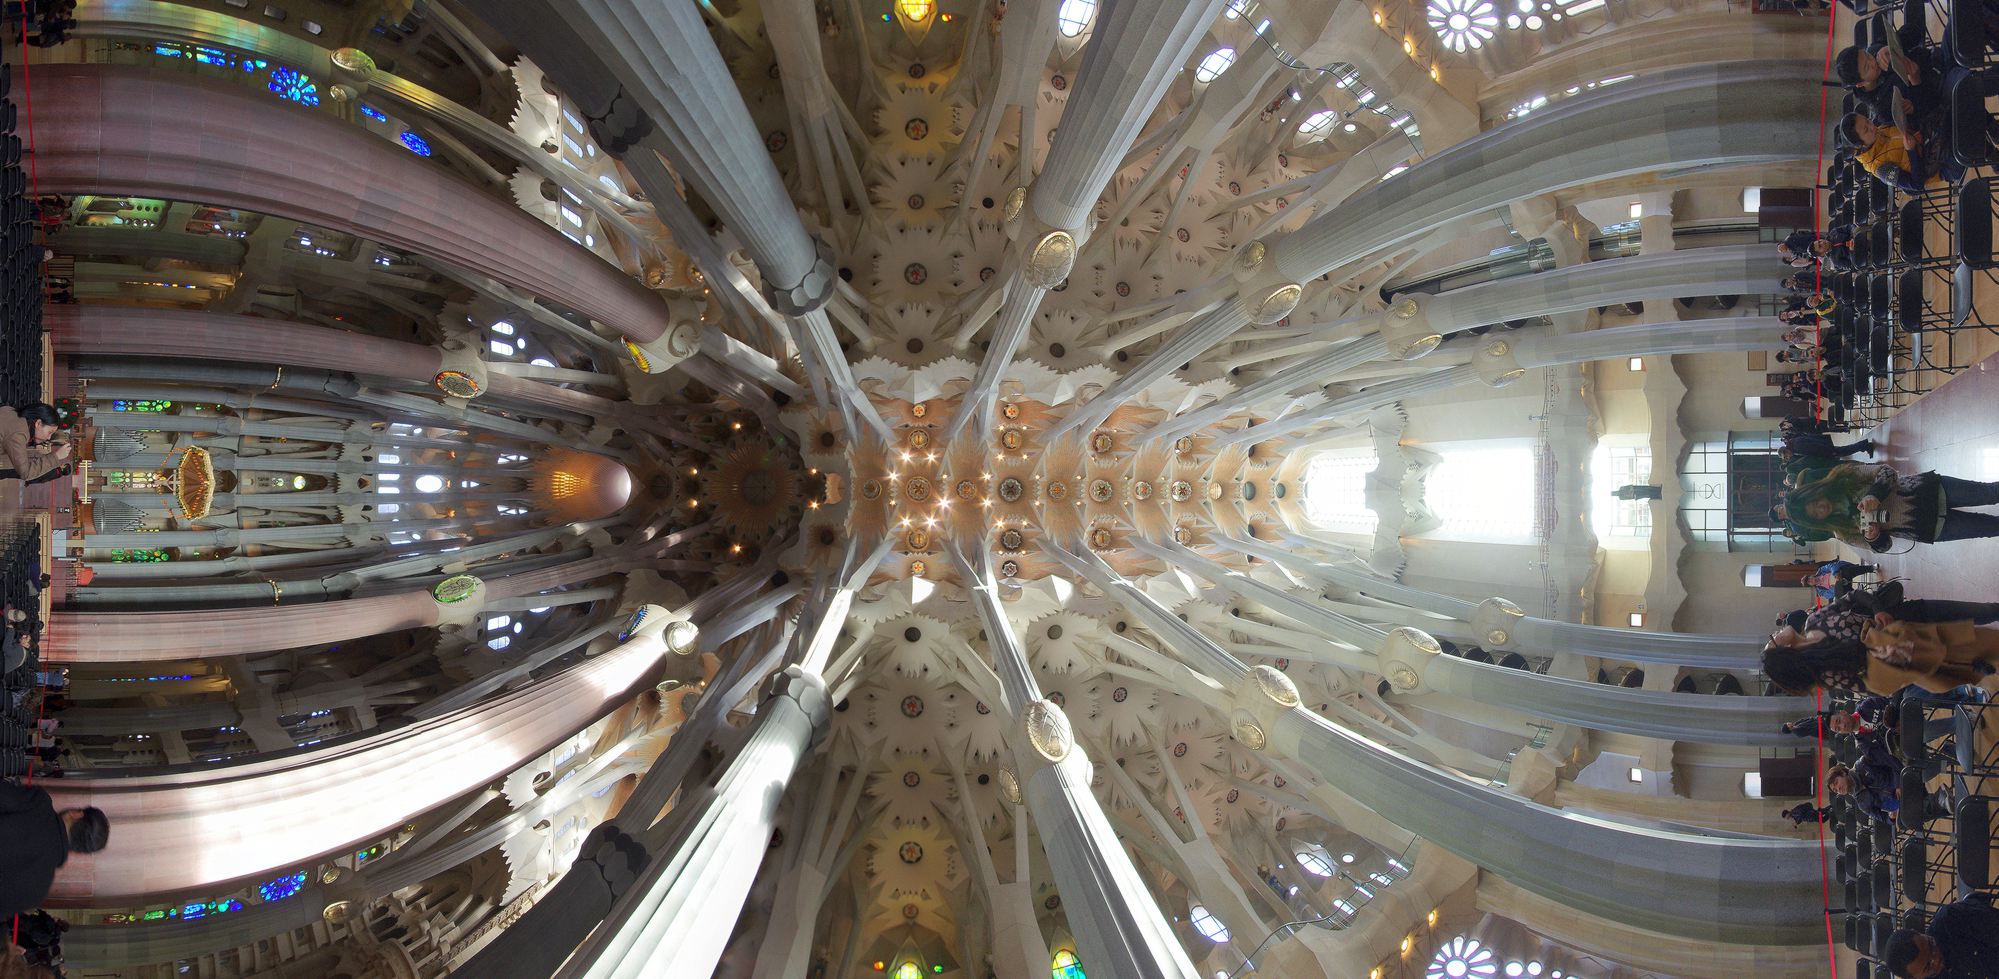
[48,22]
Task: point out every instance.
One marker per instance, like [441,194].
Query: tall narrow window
[1482,492]
[1336,491]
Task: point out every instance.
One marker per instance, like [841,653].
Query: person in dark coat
[1962,943]
[39,840]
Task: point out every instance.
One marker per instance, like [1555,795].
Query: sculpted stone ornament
[354,60]
[1406,327]
[1404,656]
[1274,305]
[1272,683]
[460,599]
[1049,262]
[1267,294]
[1496,621]
[809,293]
[1048,729]
[1016,199]
[1244,728]
[1009,786]
[460,371]
[1496,363]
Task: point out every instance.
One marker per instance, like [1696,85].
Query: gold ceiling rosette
[192,483]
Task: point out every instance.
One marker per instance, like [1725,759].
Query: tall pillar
[1734,114]
[162,134]
[1119,929]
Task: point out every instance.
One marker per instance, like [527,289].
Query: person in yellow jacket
[1900,159]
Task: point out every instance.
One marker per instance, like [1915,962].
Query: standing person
[39,840]
[1868,506]
[1933,655]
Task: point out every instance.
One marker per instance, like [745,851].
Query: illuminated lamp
[457,384]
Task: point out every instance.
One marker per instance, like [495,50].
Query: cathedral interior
[975,489]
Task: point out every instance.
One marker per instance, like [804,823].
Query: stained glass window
[373,113]
[290,83]
[283,887]
[1067,966]
[908,970]
[137,405]
[415,143]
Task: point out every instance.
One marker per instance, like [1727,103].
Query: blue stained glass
[290,83]
[167,50]
[415,144]
[283,887]
[373,113]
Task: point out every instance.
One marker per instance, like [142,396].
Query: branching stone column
[1135,50]
[1499,624]
[1750,113]
[1120,930]
[1655,714]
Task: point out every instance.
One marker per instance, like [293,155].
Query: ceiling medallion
[776,141]
[916,128]
[1182,491]
[1180,749]
[1182,535]
[1251,255]
[1184,444]
[911,852]
[1233,795]
[909,911]
[1119,694]
[967,489]
[980,706]
[1048,729]
[918,489]
[1100,538]
[919,439]
[871,490]
[1010,489]
[1141,490]
[1011,540]
[1058,490]
[1102,442]
[915,202]
[1010,410]
[918,540]
[912,707]
[1214,491]
[918,410]
[1012,439]
[915,274]
[1101,490]
[917,568]
[1009,569]
[1009,786]
[1123,290]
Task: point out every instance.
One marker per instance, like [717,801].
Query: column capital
[461,374]
[1046,252]
[810,292]
[808,690]
[1267,292]
[1497,362]
[1405,656]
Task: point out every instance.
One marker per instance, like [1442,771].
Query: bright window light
[499,621]
[1463,24]
[1336,491]
[1315,864]
[1638,775]
[1212,66]
[1752,200]
[1463,957]
[429,483]
[1635,364]
[1208,925]
[499,642]
[1483,494]
[503,328]
[1637,210]
[1074,15]
[1635,620]
[571,216]
[1319,123]
[500,347]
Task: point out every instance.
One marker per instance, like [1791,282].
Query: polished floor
[1953,430]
